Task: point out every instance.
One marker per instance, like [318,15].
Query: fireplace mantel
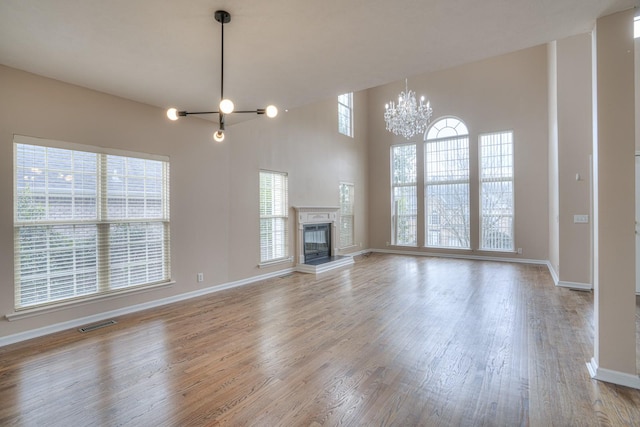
[318,215]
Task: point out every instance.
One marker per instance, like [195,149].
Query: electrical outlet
[580,219]
[200,277]
[519,251]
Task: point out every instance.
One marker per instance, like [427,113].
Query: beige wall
[575,138]
[506,92]
[214,202]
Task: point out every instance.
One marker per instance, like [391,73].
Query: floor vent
[97,326]
[285,276]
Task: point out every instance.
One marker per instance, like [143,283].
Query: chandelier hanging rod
[226,105]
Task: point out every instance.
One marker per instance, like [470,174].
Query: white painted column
[614,357]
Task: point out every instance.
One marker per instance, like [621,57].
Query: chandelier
[408,117]
[226,105]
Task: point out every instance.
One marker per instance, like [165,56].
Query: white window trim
[102,293]
[394,230]
[513,196]
[286,249]
[463,127]
[350,109]
[353,218]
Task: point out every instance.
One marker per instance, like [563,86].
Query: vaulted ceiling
[286,52]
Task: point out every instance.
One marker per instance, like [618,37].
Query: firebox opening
[317,242]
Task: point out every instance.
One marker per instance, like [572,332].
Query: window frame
[345,112]
[456,131]
[481,180]
[279,241]
[98,267]
[347,211]
[394,201]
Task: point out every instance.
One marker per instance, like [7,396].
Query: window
[636,27]
[447,185]
[404,201]
[274,213]
[346,214]
[345,114]
[496,191]
[87,222]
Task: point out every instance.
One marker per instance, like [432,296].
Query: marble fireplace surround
[318,215]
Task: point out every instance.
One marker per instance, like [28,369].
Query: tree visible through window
[447,184]
[274,213]
[496,191]
[404,188]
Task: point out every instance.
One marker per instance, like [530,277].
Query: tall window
[345,114]
[347,192]
[274,215]
[496,191]
[404,202]
[447,184]
[87,222]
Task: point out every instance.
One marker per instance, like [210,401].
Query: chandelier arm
[191,113]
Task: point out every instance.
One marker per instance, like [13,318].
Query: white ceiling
[286,52]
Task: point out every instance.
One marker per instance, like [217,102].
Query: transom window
[87,222]
[345,114]
[447,185]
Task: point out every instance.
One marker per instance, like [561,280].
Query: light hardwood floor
[394,340]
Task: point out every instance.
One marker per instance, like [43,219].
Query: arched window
[447,184]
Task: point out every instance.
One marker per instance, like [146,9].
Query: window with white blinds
[496,191]
[347,194]
[447,185]
[87,222]
[274,215]
[404,195]
[345,114]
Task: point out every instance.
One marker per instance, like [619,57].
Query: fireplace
[316,241]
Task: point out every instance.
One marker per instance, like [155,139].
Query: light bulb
[172,114]
[218,136]
[272,111]
[226,106]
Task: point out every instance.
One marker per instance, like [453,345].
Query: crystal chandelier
[408,117]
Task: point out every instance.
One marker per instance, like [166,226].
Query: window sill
[275,262]
[38,311]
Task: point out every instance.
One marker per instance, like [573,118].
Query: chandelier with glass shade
[408,117]
[225,106]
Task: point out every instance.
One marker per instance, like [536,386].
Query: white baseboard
[574,285]
[554,274]
[614,377]
[75,323]
[460,256]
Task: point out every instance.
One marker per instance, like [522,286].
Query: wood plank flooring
[392,341]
